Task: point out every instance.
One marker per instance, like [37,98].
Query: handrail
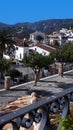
[50,104]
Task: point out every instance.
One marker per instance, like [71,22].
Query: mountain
[3,25]
[24,29]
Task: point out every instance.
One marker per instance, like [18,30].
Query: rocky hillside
[24,29]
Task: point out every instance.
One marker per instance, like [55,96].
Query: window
[20,55]
[16,48]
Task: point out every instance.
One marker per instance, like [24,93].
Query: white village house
[34,35]
[68,34]
[63,36]
[42,48]
[21,48]
[53,38]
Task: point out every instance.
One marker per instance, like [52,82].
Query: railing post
[7,83]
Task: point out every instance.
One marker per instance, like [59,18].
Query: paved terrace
[45,87]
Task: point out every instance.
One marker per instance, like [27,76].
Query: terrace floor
[45,87]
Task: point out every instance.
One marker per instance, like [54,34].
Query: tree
[6,43]
[39,38]
[14,73]
[65,53]
[36,59]
[4,66]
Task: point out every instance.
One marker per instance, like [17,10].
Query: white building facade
[43,49]
[21,48]
[39,50]
[20,51]
[64,36]
[34,35]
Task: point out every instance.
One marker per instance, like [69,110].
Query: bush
[66,123]
[14,73]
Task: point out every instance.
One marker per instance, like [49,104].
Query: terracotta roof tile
[20,42]
[46,47]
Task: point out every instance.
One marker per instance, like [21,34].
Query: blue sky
[15,11]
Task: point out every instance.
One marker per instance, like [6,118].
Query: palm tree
[6,43]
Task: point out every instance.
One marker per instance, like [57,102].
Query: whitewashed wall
[40,50]
[19,53]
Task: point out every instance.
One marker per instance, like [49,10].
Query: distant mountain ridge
[43,25]
[3,25]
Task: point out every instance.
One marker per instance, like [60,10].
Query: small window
[35,49]
[20,55]
[16,48]
[44,53]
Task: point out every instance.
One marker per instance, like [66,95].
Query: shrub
[14,73]
[66,123]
